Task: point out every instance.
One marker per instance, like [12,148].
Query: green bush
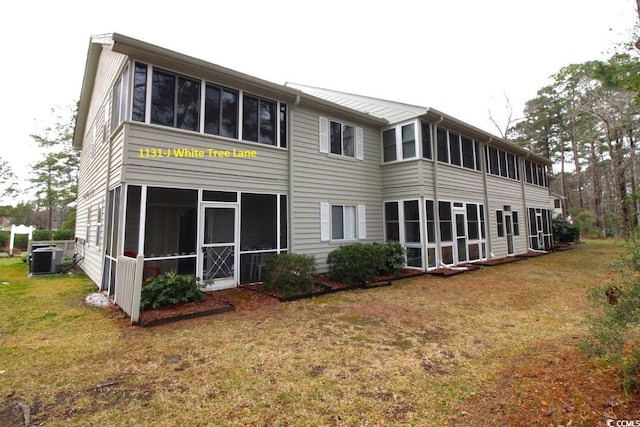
[355,263]
[358,262]
[41,235]
[614,320]
[392,257]
[170,289]
[63,234]
[4,239]
[564,232]
[290,274]
[20,241]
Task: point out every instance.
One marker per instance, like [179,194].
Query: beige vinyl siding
[457,183]
[325,178]
[506,192]
[537,197]
[407,179]
[267,172]
[100,160]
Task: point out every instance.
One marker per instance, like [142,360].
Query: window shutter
[359,144]
[324,222]
[324,135]
[362,222]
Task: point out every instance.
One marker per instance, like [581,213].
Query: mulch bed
[212,303]
[499,261]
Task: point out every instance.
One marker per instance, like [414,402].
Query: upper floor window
[458,150]
[400,142]
[342,139]
[425,133]
[119,104]
[176,101]
[220,111]
[501,163]
[535,174]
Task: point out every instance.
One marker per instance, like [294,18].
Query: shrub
[392,257]
[169,289]
[614,319]
[4,239]
[290,274]
[20,241]
[564,232]
[355,263]
[41,235]
[63,234]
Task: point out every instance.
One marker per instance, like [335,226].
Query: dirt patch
[554,384]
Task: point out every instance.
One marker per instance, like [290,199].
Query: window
[119,104]
[411,221]
[88,230]
[139,92]
[389,145]
[492,161]
[259,120]
[502,156]
[446,229]
[431,221]
[392,221]
[399,142]
[408,141]
[443,149]
[556,203]
[343,222]
[500,223]
[501,163]
[426,140]
[516,223]
[454,148]
[283,125]
[468,156]
[342,139]
[99,225]
[473,222]
[535,174]
[220,111]
[175,100]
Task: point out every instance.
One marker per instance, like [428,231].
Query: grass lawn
[427,351]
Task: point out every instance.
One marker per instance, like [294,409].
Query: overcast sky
[460,57]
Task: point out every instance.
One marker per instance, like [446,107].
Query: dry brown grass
[414,353]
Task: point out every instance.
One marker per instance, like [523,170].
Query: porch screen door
[218,246]
[461,236]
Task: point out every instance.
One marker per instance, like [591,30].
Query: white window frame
[326,222]
[417,141]
[99,220]
[324,139]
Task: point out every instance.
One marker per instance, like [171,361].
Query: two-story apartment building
[206,171]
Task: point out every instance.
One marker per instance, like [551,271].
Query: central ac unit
[46,261]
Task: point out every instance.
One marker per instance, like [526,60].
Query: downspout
[436,210]
[290,216]
[106,209]
[524,198]
[483,160]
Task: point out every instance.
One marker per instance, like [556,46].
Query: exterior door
[461,236]
[508,223]
[217,260]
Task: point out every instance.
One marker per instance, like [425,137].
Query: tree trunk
[595,181]
[632,159]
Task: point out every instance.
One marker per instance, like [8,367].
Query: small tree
[55,177]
